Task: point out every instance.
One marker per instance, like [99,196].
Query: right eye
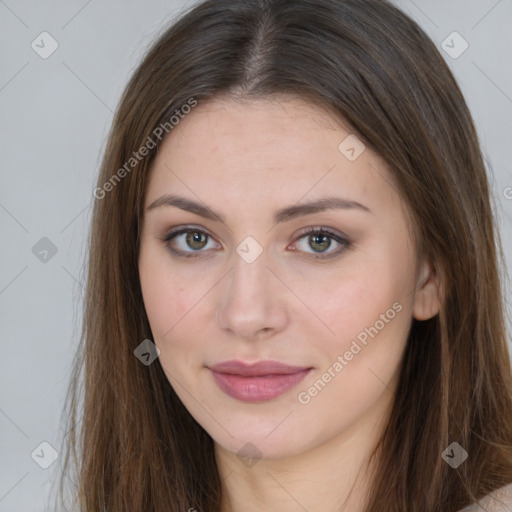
[186,239]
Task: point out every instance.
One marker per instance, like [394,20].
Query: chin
[257,447]
[270,438]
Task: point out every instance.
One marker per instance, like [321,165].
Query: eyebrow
[281,215]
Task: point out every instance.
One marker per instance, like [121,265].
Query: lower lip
[257,389]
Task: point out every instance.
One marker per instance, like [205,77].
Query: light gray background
[55,114]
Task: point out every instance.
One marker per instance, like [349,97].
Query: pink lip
[256,382]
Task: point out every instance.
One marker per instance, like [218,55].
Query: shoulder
[499,500]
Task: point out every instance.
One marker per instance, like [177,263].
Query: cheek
[174,302]
[168,295]
[371,323]
[368,302]
[369,330]
[347,305]
[166,299]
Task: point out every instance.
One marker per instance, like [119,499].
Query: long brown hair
[132,443]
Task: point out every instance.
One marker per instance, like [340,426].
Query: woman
[294,299]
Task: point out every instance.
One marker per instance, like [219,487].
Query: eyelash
[344,242]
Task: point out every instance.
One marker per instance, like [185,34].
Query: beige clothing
[498,501]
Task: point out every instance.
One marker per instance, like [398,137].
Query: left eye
[319,239]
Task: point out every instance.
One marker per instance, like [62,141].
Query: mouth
[257,382]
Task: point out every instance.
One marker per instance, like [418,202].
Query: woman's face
[326,314]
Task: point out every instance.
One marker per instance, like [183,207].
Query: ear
[427,301]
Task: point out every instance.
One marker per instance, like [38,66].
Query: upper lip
[256,369]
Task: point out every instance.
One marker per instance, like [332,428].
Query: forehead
[274,150]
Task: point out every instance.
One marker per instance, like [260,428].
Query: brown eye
[196,239]
[190,242]
[187,241]
[319,240]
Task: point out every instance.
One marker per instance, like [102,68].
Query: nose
[253,300]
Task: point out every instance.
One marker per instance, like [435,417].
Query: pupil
[315,239]
[195,237]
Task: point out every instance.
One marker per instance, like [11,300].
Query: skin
[245,160]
